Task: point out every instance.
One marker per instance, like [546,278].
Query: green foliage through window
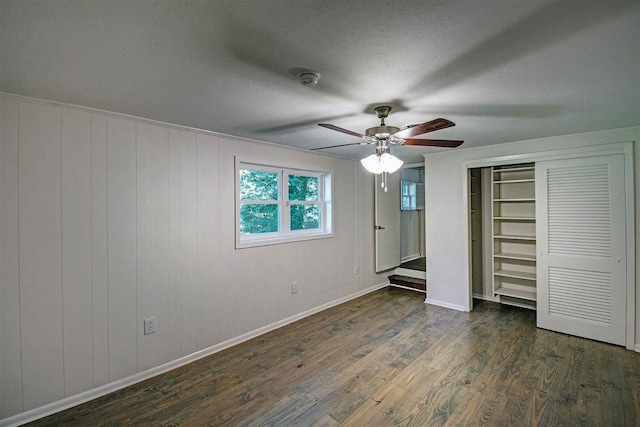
[258,185]
[264,209]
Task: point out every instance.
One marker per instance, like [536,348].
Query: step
[416,274]
[408,282]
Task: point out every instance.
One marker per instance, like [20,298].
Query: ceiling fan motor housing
[381,131]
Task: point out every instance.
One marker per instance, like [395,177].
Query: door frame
[624,148]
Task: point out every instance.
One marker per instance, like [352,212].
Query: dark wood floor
[419,264]
[387,359]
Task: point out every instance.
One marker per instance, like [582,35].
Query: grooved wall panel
[121,177]
[99,249]
[175,242]
[10,357]
[153,244]
[208,239]
[40,254]
[143,282]
[189,244]
[76,251]
[158,302]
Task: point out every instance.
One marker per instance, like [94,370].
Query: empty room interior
[319,213]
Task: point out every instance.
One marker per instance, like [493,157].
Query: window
[408,196]
[412,196]
[277,205]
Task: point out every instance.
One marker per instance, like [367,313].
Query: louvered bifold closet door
[580,230]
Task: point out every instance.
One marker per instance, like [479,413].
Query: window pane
[255,219]
[305,217]
[303,188]
[258,185]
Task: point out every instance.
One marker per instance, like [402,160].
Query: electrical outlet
[150,325]
[294,287]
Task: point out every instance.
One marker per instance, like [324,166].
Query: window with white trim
[277,205]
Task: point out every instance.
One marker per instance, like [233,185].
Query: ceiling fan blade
[339,129]
[425,127]
[433,142]
[341,145]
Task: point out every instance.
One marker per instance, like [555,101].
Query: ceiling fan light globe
[390,163]
[372,164]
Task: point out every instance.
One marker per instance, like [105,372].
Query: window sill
[256,241]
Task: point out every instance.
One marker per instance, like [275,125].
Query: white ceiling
[502,70]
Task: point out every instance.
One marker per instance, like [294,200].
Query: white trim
[445,304]
[71,401]
[393,285]
[284,235]
[637,348]
[629,175]
[623,134]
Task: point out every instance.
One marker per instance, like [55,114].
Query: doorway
[412,218]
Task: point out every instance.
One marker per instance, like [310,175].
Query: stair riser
[411,273]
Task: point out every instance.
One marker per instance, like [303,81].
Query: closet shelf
[527,168]
[521,257]
[515,200]
[511,237]
[517,293]
[515,274]
[513,181]
[515,218]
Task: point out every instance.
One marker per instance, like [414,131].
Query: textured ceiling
[502,70]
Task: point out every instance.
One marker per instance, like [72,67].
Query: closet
[513,234]
[555,239]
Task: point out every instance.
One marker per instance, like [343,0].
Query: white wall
[447,267]
[107,220]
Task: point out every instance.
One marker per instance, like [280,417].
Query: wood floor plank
[388,359]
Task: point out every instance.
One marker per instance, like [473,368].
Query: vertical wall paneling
[121,177]
[153,243]
[99,250]
[175,245]
[76,251]
[10,363]
[107,220]
[189,221]
[208,225]
[229,258]
[159,301]
[143,134]
[40,254]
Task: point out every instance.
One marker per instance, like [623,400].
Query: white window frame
[285,234]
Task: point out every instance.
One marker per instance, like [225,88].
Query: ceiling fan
[384,136]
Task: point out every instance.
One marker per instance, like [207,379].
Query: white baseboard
[71,401]
[444,304]
[637,349]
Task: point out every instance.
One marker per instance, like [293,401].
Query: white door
[387,222]
[581,245]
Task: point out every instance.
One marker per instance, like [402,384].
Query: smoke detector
[308,78]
